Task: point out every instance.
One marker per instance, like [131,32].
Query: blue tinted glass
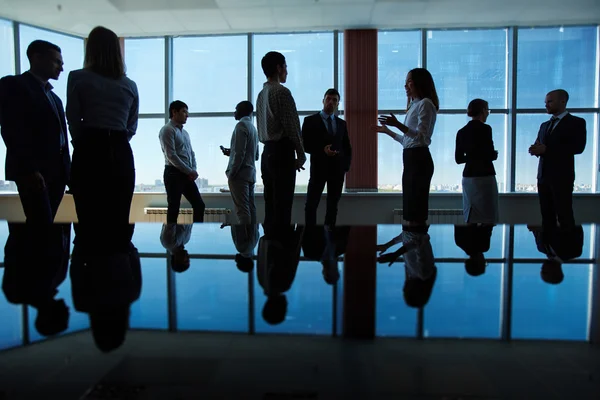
[398,53]
[149,159]
[557,58]
[150,310]
[11,329]
[212,295]
[210,73]
[392,316]
[468,64]
[525,246]
[149,76]
[545,311]
[462,306]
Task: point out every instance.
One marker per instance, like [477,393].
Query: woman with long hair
[415,137]
[475,149]
[102,112]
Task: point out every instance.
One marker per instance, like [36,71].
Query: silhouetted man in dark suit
[559,139]
[326,140]
[35,133]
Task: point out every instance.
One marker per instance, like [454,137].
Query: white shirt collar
[561,115]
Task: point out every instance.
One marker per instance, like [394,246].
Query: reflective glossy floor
[224,312]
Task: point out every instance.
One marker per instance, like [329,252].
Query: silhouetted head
[475,264]
[479,109]
[178,112]
[419,84]
[556,101]
[45,59]
[52,318]
[103,53]
[417,292]
[275,309]
[109,328]
[331,101]
[331,274]
[243,109]
[180,260]
[552,272]
[244,264]
[274,66]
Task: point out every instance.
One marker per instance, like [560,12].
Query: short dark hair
[271,61]
[40,47]
[177,105]
[103,53]
[332,92]
[245,108]
[477,107]
[562,94]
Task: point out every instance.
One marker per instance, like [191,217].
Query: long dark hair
[425,86]
[103,53]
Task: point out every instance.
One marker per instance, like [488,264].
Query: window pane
[467,65]
[71,49]
[557,58]
[544,311]
[309,59]
[526,248]
[150,311]
[7,67]
[398,53]
[210,74]
[11,329]
[145,60]
[149,159]
[462,306]
[212,295]
[341,69]
[528,126]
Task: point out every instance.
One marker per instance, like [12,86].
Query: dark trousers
[102,183]
[177,184]
[320,175]
[278,167]
[556,203]
[40,207]
[416,180]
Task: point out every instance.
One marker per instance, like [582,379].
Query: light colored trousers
[242,193]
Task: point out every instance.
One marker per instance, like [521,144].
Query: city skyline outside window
[210,73]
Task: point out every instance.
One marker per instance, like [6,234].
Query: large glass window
[71,49]
[467,65]
[557,58]
[528,126]
[145,65]
[210,73]
[309,59]
[7,67]
[149,159]
[398,53]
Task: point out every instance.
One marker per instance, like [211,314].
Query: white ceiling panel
[201,21]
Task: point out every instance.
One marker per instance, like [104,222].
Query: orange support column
[360,107]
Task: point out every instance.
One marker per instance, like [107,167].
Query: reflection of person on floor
[173,238]
[278,259]
[474,239]
[245,239]
[419,263]
[326,246]
[32,277]
[104,286]
[560,245]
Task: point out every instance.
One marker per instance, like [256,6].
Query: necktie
[553,122]
[330,126]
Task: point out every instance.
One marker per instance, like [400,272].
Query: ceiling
[186,17]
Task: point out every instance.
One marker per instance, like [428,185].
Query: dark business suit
[567,244]
[323,168]
[32,128]
[556,169]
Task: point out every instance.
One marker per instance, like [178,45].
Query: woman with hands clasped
[415,137]
[475,149]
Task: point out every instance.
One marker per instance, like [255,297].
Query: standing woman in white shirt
[415,137]
[102,112]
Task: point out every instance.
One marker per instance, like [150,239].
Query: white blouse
[420,120]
